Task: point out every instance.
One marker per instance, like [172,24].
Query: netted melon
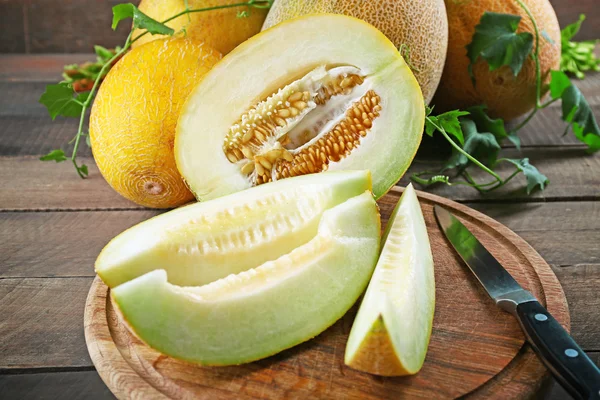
[317,93]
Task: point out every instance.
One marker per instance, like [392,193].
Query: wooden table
[53,224]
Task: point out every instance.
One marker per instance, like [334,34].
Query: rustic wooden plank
[42,26]
[32,184]
[48,244]
[54,386]
[59,243]
[568,12]
[42,323]
[38,67]
[37,185]
[23,118]
[12,22]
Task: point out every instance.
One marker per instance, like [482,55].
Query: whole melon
[505,95]
[133,120]
[220,29]
[419,26]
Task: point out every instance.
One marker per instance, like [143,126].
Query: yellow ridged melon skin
[133,120]
[220,29]
[505,95]
[421,25]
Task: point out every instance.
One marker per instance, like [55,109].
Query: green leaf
[59,100]
[103,53]
[559,82]
[140,20]
[494,126]
[569,31]
[496,41]
[448,121]
[54,155]
[577,111]
[534,177]
[481,145]
[83,170]
[577,57]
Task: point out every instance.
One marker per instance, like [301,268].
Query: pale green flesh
[262,311]
[207,241]
[402,289]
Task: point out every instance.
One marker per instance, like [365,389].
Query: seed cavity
[304,126]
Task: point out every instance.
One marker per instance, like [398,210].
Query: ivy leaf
[140,20]
[481,145]
[559,82]
[54,155]
[496,41]
[449,121]
[495,126]
[577,57]
[576,110]
[59,100]
[534,177]
[83,170]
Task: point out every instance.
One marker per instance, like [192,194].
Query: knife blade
[569,364]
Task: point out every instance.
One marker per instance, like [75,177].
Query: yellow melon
[220,29]
[133,120]
[421,26]
[506,96]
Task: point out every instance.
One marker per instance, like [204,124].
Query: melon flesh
[316,93]
[264,310]
[391,332]
[203,242]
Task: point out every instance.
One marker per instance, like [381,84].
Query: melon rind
[260,312]
[391,332]
[275,58]
[203,242]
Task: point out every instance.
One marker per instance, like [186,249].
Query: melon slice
[391,332]
[315,93]
[264,310]
[203,242]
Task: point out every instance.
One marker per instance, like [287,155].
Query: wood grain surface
[476,349]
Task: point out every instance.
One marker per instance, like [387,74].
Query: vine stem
[128,42]
[538,68]
[470,157]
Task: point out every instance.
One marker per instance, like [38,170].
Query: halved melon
[203,242]
[391,332]
[315,93]
[266,309]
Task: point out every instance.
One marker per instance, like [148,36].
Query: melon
[203,242]
[418,28]
[505,95]
[220,29]
[391,332]
[133,120]
[272,305]
[338,96]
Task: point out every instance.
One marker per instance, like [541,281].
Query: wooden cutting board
[476,349]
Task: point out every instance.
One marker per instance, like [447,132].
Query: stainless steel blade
[498,283]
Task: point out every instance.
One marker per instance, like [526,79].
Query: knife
[571,367]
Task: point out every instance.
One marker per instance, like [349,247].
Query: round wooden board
[476,350]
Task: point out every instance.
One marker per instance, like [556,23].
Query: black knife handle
[568,363]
